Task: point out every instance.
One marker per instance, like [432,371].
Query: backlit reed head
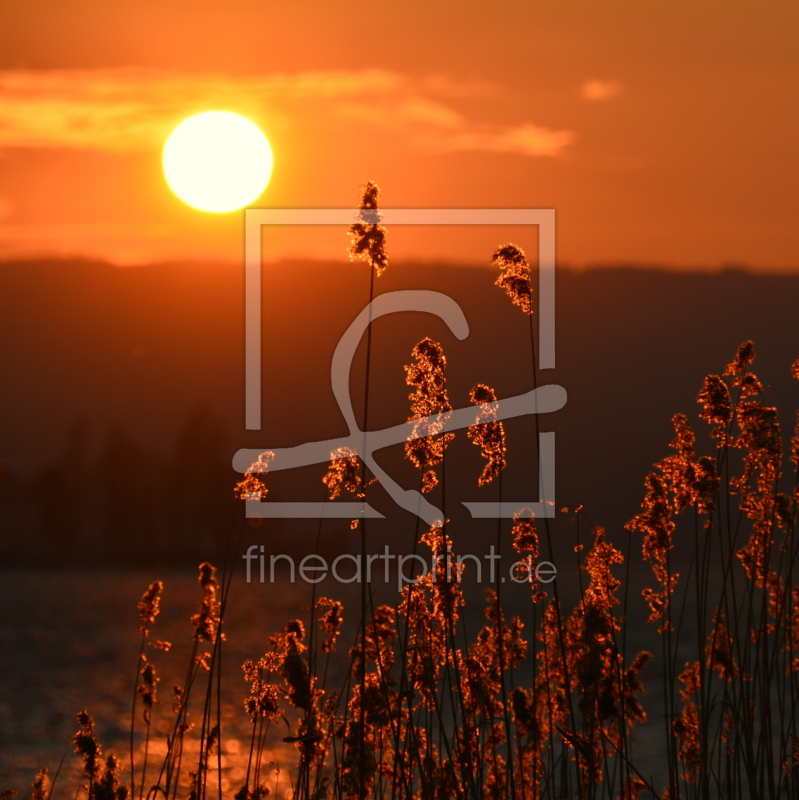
[430,409]
[488,433]
[367,236]
[330,622]
[343,473]
[252,487]
[514,276]
[206,620]
[150,606]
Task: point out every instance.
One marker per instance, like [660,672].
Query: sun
[217,161]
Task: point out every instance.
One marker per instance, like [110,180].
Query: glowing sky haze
[661,132]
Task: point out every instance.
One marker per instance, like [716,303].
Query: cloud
[601,90]
[132,109]
[527,139]
[436,127]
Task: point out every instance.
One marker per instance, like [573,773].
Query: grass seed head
[252,486]
[488,433]
[206,621]
[515,276]
[743,359]
[367,236]
[430,408]
[41,785]
[343,472]
[150,606]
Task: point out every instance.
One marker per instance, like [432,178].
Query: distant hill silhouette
[123,390]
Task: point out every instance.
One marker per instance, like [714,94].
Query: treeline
[121,505]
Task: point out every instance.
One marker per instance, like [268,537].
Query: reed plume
[488,433]
[89,749]
[686,728]
[264,699]
[515,276]
[109,786]
[343,473]
[252,486]
[206,620]
[330,622]
[525,541]
[40,789]
[150,606]
[148,688]
[430,408]
[367,236]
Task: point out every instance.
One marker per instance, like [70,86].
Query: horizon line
[414,261]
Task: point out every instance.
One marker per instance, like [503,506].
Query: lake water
[70,641]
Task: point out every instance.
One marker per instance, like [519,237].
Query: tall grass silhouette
[545,706]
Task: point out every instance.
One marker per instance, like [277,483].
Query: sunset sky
[660,132]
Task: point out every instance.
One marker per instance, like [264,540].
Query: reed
[545,706]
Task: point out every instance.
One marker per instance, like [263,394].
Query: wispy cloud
[527,139]
[132,109]
[601,90]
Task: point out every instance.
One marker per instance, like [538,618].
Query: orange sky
[661,132]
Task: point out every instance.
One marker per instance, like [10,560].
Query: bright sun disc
[217,161]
